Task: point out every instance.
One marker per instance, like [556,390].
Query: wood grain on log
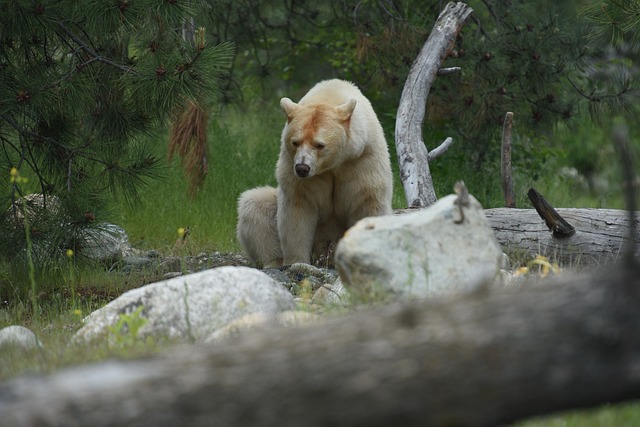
[412,153]
[598,239]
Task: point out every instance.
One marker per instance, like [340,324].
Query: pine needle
[188,139]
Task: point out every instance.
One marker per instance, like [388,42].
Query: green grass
[620,415]
[243,149]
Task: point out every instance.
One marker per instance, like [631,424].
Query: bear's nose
[302,170]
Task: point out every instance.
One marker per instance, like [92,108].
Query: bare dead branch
[449,70]
[507,179]
[412,153]
[440,150]
[558,225]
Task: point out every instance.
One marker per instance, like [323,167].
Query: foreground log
[598,239]
[413,156]
[481,359]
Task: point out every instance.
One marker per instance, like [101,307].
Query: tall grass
[243,150]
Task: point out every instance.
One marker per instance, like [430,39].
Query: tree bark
[598,239]
[505,162]
[412,153]
[481,359]
[555,222]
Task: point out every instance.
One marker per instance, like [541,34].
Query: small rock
[332,295]
[18,336]
[278,276]
[263,321]
[106,243]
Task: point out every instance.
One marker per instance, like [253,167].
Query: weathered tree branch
[482,359]
[507,179]
[440,150]
[630,183]
[556,223]
[448,70]
[412,153]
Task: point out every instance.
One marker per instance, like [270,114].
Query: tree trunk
[481,359]
[412,153]
[599,237]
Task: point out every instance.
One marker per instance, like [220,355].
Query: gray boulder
[424,253]
[106,243]
[18,337]
[190,307]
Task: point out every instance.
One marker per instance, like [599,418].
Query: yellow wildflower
[15,176]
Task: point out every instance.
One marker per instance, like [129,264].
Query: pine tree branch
[91,52]
[491,11]
[72,151]
[74,69]
[598,98]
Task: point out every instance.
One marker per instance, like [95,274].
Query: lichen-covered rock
[425,253]
[190,307]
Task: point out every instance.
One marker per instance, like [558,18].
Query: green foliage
[243,154]
[616,21]
[620,415]
[84,88]
[125,332]
[532,58]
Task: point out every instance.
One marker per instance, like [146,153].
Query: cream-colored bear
[333,170]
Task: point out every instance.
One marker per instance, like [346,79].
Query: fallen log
[482,359]
[599,235]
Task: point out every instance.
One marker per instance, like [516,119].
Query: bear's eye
[319,146]
[295,143]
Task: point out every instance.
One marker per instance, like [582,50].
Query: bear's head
[316,135]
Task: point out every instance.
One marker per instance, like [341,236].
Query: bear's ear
[346,110]
[289,107]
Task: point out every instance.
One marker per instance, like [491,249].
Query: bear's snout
[302,170]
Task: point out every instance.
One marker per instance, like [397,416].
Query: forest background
[567,69]
[553,67]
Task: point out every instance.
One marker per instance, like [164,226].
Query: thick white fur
[334,139]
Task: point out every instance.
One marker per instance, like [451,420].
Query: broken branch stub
[412,153]
[558,225]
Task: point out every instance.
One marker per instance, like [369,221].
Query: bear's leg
[328,233]
[297,221]
[257,230]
